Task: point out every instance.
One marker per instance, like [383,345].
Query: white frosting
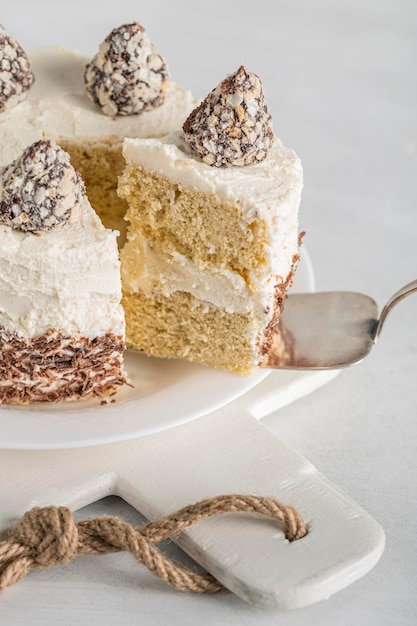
[270,190]
[57,106]
[66,279]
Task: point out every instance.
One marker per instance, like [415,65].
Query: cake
[82,104]
[213,239]
[61,321]
[210,197]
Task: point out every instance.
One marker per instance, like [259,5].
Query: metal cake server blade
[329,330]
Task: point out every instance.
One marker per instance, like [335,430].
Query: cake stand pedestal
[226,451]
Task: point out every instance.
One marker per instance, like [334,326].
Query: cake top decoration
[232,125]
[127,75]
[40,190]
[16,74]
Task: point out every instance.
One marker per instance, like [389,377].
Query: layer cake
[213,233]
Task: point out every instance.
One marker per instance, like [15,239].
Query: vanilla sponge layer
[100,163]
[178,220]
[180,326]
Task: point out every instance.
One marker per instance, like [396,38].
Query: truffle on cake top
[127,75]
[16,75]
[233,124]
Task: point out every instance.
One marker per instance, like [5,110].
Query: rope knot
[49,535]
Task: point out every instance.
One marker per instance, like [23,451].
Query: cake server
[330,330]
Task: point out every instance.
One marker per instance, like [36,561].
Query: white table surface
[340,80]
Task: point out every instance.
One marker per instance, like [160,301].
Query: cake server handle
[399,295]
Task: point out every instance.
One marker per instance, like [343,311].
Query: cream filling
[156,272]
[67,279]
[57,106]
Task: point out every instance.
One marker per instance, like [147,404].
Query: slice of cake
[88,106]
[213,237]
[61,322]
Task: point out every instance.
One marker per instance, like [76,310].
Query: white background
[340,80]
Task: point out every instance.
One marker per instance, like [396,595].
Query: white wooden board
[227,451]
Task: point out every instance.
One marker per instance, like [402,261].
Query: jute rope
[49,536]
